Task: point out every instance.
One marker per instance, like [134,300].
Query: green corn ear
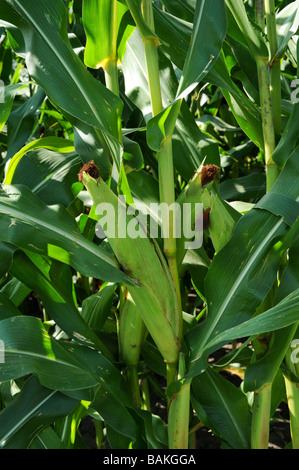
[203,188]
[132,334]
[193,193]
[132,331]
[141,259]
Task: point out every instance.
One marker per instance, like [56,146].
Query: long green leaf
[7,307]
[225,406]
[21,123]
[264,369]
[47,439]
[59,365]
[7,95]
[252,35]
[245,111]
[27,222]
[46,279]
[32,410]
[6,254]
[72,88]
[209,29]
[52,143]
[287,21]
[51,176]
[282,315]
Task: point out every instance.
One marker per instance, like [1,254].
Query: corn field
[149,223]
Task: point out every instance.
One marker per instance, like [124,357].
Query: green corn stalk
[270,98]
[260,421]
[292,390]
[292,393]
[179,411]
[154,292]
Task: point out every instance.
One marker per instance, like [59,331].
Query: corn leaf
[97,13]
[34,408]
[28,223]
[46,278]
[209,29]
[222,406]
[59,365]
[81,98]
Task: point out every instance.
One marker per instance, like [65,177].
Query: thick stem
[111,71]
[292,390]
[133,381]
[275,82]
[270,100]
[170,372]
[146,402]
[99,433]
[261,418]
[152,65]
[179,412]
[165,158]
[167,196]
[112,83]
[152,60]
[271,26]
[267,121]
[111,76]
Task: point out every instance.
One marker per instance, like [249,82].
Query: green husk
[217,217]
[132,331]
[154,293]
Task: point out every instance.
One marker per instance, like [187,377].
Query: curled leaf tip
[209,173]
[91,169]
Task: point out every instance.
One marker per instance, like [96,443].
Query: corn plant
[116,116]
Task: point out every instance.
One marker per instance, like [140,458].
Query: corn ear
[203,188]
[141,259]
[132,334]
[192,194]
[132,331]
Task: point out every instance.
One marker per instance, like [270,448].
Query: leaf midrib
[230,415]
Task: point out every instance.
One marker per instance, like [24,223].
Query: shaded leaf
[225,406]
[32,410]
